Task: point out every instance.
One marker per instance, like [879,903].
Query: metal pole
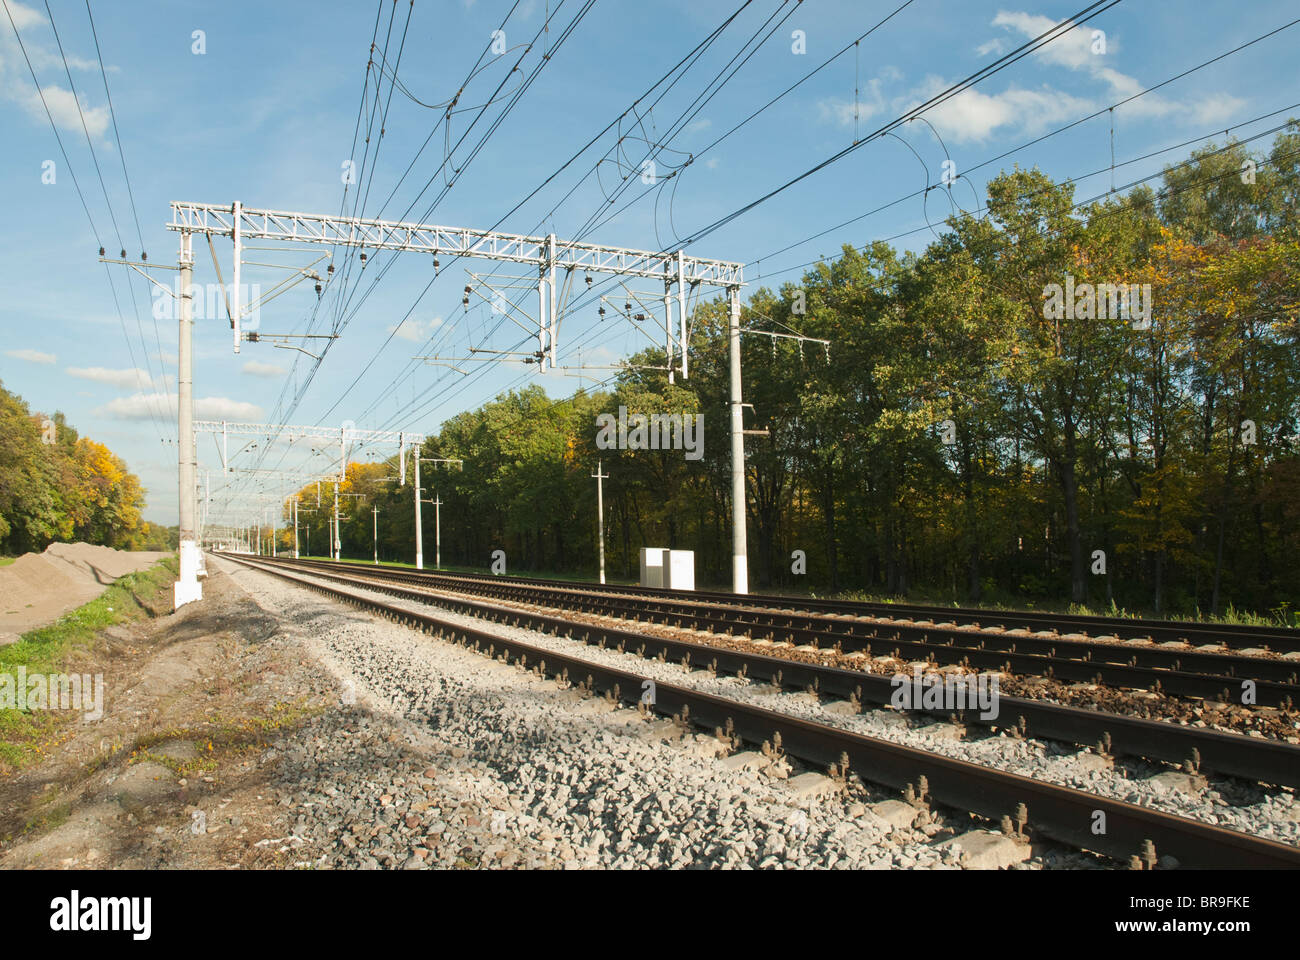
[338,540]
[541,323]
[437,531]
[375,510]
[235,306]
[419,531]
[554,323]
[295,528]
[600,514]
[681,311]
[275,532]
[739,541]
[187,588]
[668,327]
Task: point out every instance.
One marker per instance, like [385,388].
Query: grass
[1282,616]
[26,735]
[5,561]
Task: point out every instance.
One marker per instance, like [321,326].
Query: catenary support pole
[739,540]
[187,588]
[437,531]
[419,532]
[375,511]
[600,477]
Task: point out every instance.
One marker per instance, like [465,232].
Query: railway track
[1279,640]
[1064,814]
[1224,677]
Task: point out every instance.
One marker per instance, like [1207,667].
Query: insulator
[435,263]
[330,269]
[627,308]
[468,290]
[588,279]
[318,289]
[101,251]
[465,301]
[639,316]
[602,313]
[363,258]
[124,254]
[144,257]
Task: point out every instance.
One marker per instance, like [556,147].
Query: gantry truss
[251,224]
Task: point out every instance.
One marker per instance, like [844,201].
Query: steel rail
[1233,636]
[1272,683]
[1060,813]
[1206,751]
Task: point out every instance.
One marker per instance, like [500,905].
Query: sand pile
[38,588]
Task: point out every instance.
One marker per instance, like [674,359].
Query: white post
[541,319]
[187,588]
[555,324]
[600,476]
[235,307]
[739,541]
[338,540]
[375,510]
[681,310]
[668,327]
[419,531]
[437,531]
[295,527]
[275,531]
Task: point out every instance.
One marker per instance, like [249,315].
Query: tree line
[58,486]
[1056,400]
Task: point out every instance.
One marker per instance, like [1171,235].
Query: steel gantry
[677,270]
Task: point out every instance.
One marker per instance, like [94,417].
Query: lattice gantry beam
[306,433]
[219,220]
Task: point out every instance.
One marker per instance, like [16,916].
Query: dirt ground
[173,774]
[38,588]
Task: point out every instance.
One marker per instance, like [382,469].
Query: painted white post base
[187,588]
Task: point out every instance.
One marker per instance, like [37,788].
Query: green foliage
[1068,435]
[55,485]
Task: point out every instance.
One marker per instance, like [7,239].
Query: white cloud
[414,330]
[15,80]
[1217,108]
[63,107]
[973,116]
[256,368]
[223,408]
[143,406]
[31,356]
[133,379]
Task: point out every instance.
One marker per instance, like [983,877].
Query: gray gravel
[441,757]
[1272,813]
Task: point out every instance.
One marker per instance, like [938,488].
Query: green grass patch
[28,735]
[5,561]
[44,649]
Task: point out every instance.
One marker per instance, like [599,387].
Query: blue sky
[266,115]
